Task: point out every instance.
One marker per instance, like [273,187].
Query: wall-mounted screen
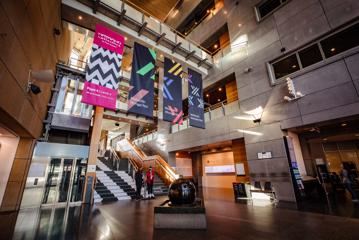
[220,169]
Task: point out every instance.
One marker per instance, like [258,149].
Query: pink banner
[109,39]
[102,96]
[103,69]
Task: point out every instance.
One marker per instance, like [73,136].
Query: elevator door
[64,181]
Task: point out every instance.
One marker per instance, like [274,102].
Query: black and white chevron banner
[103,67]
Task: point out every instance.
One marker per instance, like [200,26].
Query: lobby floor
[134,220]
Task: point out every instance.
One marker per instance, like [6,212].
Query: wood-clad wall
[27,42]
[239,154]
[231,91]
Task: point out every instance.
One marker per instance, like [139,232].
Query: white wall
[7,154]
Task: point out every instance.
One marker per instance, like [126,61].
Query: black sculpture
[182,192]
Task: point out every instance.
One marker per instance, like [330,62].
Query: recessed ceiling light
[219,89]
[207,95]
[225,12]
[294,66]
[218,100]
[332,49]
[79,17]
[239,25]
[343,124]
[215,46]
[325,139]
[126,38]
[357,135]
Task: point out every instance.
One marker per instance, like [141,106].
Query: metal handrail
[172,29]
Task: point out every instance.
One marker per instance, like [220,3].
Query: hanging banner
[141,95]
[195,99]
[103,69]
[172,92]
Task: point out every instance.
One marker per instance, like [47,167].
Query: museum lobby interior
[179,119]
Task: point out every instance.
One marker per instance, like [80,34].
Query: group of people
[146,181]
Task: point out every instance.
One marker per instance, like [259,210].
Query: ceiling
[156,8]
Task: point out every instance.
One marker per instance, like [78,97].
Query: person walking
[139,182]
[348,183]
[150,177]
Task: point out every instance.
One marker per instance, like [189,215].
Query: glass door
[65,181]
[51,186]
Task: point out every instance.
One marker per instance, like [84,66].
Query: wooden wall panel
[239,154]
[231,91]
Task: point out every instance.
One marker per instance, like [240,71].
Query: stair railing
[162,168]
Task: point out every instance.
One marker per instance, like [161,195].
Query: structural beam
[142,28]
[160,38]
[121,17]
[96,3]
[176,47]
[189,55]
[202,61]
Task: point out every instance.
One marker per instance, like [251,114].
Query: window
[310,55]
[286,66]
[267,7]
[325,48]
[341,41]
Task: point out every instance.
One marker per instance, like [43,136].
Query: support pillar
[93,153]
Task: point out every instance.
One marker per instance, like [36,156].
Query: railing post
[223,109]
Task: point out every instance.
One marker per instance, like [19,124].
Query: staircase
[164,176]
[112,185]
[159,187]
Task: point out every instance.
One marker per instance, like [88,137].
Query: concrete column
[93,153]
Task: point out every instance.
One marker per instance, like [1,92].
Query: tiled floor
[226,220]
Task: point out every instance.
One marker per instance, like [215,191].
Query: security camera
[34,89]
[247,70]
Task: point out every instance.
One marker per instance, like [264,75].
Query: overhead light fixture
[256,114]
[219,89]
[79,17]
[343,124]
[207,95]
[250,132]
[126,38]
[215,46]
[325,139]
[225,12]
[332,49]
[294,66]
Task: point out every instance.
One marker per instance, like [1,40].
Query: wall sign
[103,69]
[264,155]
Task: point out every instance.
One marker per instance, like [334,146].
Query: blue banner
[172,92]
[195,99]
[141,94]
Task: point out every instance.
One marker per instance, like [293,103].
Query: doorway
[65,179]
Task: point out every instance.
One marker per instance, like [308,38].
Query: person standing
[139,182]
[150,177]
[348,183]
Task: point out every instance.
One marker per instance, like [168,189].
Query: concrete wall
[331,91]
